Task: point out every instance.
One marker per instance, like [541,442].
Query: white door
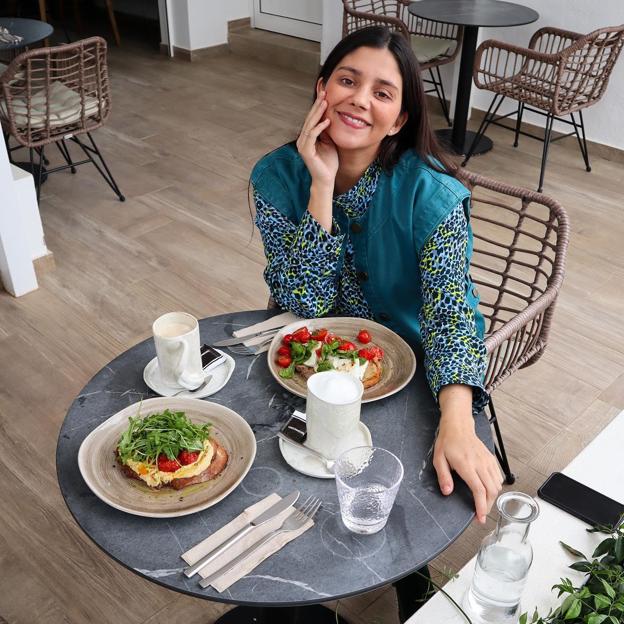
[298,18]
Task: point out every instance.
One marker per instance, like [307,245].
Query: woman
[363,217]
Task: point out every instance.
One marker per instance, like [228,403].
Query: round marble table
[471,14]
[325,563]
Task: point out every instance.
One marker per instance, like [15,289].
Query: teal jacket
[408,205]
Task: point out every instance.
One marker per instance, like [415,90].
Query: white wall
[602,121]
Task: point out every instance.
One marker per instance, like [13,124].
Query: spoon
[329,463]
[201,387]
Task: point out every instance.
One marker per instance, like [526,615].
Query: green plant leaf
[601,602]
[572,551]
[596,618]
[610,591]
[573,610]
[604,547]
[523,619]
[619,549]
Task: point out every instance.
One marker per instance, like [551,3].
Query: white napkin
[254,536]
[7,37]
[274,322]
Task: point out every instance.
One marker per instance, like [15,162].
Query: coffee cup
[176,336]
[333,412]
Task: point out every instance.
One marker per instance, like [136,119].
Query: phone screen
[580,501]
[209,356]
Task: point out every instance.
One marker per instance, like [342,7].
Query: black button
[362,276]
[356,228]
[383,316]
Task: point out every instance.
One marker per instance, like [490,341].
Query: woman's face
[364,96]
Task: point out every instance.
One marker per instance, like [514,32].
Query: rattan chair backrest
[520,243]
[53,92]
[586,66]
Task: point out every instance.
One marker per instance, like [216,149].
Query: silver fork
[241,349]
[294,522]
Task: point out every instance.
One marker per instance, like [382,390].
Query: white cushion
[65,107]
[428,48]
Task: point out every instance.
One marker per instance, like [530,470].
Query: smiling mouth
[353,122]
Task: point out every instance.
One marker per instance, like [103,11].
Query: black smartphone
[580,501]
[211,357]
[295,429]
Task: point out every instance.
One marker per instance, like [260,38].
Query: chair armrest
[393,22]
[497,61]
[552,40]
[521,340]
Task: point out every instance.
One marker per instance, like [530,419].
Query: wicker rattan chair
[435,44]
[53,95]
[520,243]
[558,75]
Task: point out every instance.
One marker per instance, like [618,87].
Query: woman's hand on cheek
[316,147]
[458,448]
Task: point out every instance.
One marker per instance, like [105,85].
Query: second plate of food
[393,371]
[106,478]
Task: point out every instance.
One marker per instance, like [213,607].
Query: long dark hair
[416,133]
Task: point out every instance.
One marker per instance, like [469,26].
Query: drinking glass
[367,479]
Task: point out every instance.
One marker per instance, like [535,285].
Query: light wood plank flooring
[182,140]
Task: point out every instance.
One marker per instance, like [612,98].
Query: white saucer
[220,376]
[312,466]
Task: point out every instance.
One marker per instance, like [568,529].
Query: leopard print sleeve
[302,260]
[454,352]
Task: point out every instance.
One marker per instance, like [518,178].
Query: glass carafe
[503,562]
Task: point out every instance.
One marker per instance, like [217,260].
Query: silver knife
[232,341]
[269,514]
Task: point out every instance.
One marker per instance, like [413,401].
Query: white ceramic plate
[398,364]
[220,376]
[103,475]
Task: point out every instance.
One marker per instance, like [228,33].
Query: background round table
[325,563]
[471,14]
[33,31]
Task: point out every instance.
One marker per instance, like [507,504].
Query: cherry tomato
[366,354]
[302,335]
[287,339]
[167,465]
[377,352]
[319,334]
[364,337]
[319,352]
[283,350]
[284,361]
[329,338]
[187,457]
[345,345]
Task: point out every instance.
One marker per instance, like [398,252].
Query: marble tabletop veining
[326,562]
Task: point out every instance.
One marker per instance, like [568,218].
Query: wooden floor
[182,140]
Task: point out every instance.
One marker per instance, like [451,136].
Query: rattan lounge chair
[558,75]
[55,95]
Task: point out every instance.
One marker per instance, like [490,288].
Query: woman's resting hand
[458,448]
[316,148]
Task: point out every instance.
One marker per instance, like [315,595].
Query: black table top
[32,30]
[474,12]
[326,562]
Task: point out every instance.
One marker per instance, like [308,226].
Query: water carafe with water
[503,563]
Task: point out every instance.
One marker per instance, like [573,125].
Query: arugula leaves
[164,433]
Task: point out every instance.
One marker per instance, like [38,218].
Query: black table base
[445,137]
[315,614]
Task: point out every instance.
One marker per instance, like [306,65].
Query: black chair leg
[499,447]
[582,142]
[485,123]
[439,89]
[518,122]
[62,147]
[547,132]
[102,167]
